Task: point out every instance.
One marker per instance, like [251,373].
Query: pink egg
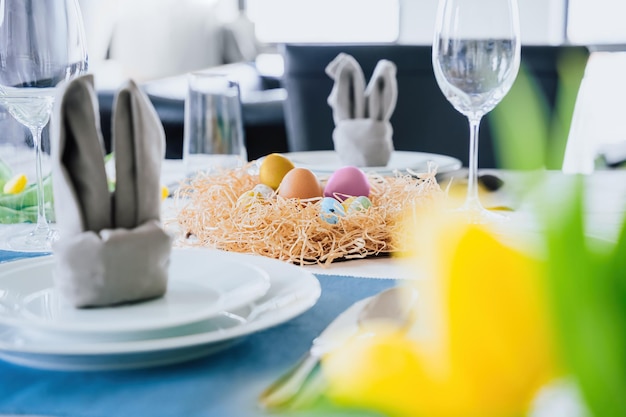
[347,182]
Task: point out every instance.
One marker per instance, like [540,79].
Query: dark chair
[423,119]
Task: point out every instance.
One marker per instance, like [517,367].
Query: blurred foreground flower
[481,345]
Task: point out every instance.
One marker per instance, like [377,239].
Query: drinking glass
[476,57]
[42,43]
[213,131]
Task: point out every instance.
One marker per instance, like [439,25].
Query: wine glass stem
[472,201]
[42,221]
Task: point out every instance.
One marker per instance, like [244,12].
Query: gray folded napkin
[112,248]
[362,134]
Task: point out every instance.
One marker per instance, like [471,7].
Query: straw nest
[211,215]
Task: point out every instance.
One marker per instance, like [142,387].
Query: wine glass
[42,43]
[476,57]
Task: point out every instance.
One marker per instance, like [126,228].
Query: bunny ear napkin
[362,134]
[112,248]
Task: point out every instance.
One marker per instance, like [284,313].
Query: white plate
[327,162]
[293,290]
[200,285]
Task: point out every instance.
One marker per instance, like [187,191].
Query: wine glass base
[39,239]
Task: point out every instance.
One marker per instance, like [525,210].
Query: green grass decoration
[22,207]
[5,173]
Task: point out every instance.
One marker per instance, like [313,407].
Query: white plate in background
[327,162]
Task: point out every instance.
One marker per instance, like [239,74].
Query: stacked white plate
[213,298]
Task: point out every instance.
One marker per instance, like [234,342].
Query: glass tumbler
[213,130]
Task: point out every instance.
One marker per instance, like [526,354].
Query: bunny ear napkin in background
[112,248]
[347,97]
[363,133]
[381,93]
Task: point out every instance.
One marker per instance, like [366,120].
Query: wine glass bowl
[42,43]
[478,81]
[476,58]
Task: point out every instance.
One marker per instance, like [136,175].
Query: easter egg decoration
[300,183]
[264,191]
[259,192]
[273,169]
[331,210]
[347,182]
[354,204]
[246,199]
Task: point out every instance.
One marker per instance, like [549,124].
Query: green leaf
[527,135]
[571,68]
[520,125]
[589,308]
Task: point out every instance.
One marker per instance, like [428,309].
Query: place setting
[212,299]
[115,294]
[354,277]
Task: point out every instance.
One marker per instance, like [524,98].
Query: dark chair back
[423,119]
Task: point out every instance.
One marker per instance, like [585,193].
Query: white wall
[154,38]
[157,38]
[597,21]
[541,21]
[325,20]
[99,17]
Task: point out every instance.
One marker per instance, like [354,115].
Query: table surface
[224,384]
[228,383]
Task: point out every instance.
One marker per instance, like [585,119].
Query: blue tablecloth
[225,384]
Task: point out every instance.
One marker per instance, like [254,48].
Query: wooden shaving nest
[291,230]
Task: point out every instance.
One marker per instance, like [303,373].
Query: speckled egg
[346,182]
[259,192]
[300,183]
[353,204]
[246,199]
[264,191]
[331,210]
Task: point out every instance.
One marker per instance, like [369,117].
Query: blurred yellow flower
[481,346]
[165,192]
[15,185]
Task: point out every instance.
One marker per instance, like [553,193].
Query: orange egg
[300,183]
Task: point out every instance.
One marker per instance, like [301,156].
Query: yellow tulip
[482,342]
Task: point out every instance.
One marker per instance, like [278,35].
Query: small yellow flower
[165,192]
[15,185]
